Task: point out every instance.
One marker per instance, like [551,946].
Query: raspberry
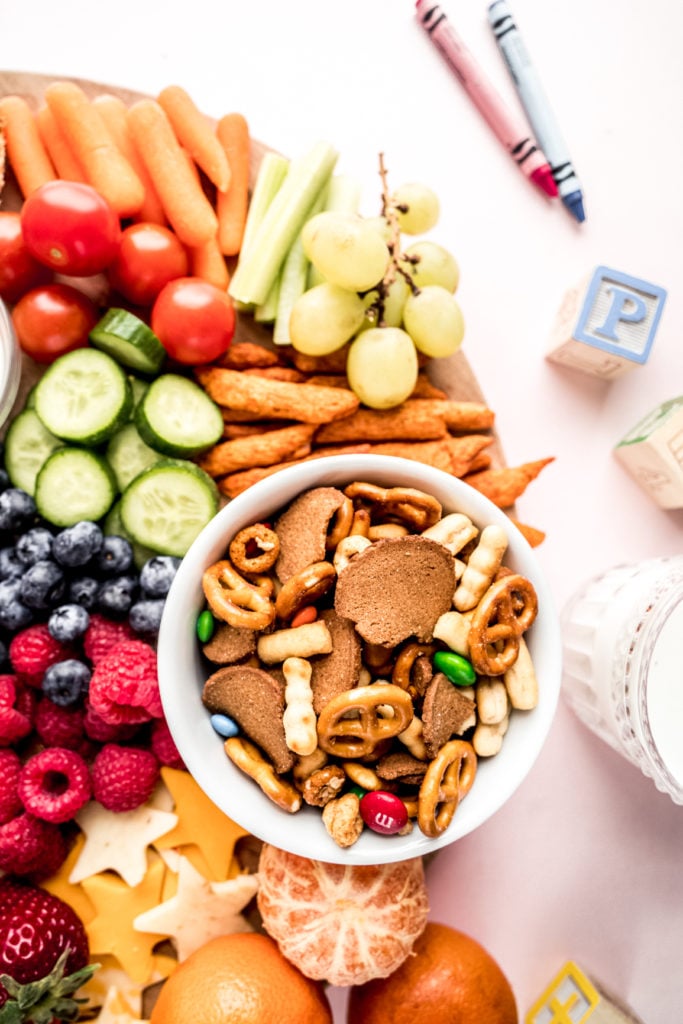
[33,650]
[14,723]
[54,784]
[58,726]
[97,729]
[10,768]
[102,634]
[123,778]
[124,686]
[163,746]
[31,847]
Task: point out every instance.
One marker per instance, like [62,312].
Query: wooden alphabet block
[607,324]
[574,998]
[652,452]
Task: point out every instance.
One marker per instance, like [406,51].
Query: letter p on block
[607,324]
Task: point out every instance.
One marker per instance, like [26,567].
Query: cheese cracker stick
[105,166]
[256,450]
[417,419]
[243,355]
[274,398]
[468,416]
[278,373]
[454,455]
[504,486]
[235,483]
[26,153]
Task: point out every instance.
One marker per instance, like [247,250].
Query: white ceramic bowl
[10,363]
[182,672]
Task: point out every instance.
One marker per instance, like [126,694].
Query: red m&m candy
[383,812]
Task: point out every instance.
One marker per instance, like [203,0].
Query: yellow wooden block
[574,998]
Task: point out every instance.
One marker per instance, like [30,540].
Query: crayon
[538,110]
[507,126]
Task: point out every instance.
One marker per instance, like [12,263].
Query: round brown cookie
[302,530]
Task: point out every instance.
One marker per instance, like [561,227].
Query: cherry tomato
[19,271]
[194,320]
[70,227]
[53,319]
[149,256]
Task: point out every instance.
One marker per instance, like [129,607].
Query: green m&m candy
[205,626]
[456,668]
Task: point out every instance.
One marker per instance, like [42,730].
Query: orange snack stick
[232,203]
[234,483]
[532,534]
[26,153]
[65,163]
[274,398]
[455,455]
[255,450]
[114,113]
[504,486]
[417,419]
[105,166]
[193,131]
[246,355]
[468,416]
[187,208]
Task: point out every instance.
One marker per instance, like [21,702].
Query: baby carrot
[114,113]
[26,153]
[207,261]
[65,163]
[105,166]
[194,132]
[231,206]
[188,210]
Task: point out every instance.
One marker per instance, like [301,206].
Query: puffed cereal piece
[492,700]
[481,568]
[487,740]
[454,628]
[298,718]
[520,680]
[300,642]
[341,818]
[454,531]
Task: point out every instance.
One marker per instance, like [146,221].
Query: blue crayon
[535,103]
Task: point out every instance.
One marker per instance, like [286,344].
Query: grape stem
[390,211]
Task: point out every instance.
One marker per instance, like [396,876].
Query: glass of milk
[623,666]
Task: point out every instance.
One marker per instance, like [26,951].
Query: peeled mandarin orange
[342,923]
[239,979]
[452,978]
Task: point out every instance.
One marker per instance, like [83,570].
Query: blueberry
[116,596]
[43,585]
[68,622]
[157,575]
[66,682]
[77,544]
[11,567]
[4,480]
[4,656]
[145,615]
[17,509]
[34,546]
[83,590]
[115,557]
[14,615]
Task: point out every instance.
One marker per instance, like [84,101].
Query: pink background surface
[584,861]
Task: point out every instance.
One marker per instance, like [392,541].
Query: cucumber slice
[168,505]
[84,397]
[113,527]
[128,455]
[138,387]
[74,484]
[128,340]
[177,417]
[27,446]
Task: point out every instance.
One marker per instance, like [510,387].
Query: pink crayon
[509,128]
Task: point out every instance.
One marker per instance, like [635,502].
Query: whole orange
[240,979]
[452,979]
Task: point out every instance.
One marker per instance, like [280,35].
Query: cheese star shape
[200,910]
[117,905]
[60,885]
[200,824]
[118,841]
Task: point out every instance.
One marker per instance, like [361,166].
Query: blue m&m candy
[224,726]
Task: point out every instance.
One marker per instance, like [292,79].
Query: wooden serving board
[453,374]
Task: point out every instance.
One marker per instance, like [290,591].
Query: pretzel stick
[275,398]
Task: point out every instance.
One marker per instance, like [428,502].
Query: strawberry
[41,939]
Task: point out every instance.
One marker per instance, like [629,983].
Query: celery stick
[258,267]
[293,277]
[271,174]
[266,312]
[343,196]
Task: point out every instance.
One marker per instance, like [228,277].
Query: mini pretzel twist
[304,588]
[298,718]
[507,609]
[245,604]
[481,568]
[248,759]
[341,524]
[259,537]
[411,506]
[358,736]
[447,781]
